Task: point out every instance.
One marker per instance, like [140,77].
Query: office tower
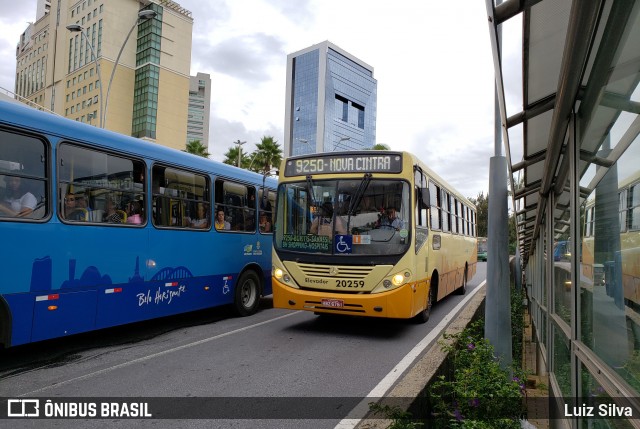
[199,108]
[331,99]
[148,95]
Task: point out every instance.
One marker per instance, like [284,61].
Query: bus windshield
[344,217]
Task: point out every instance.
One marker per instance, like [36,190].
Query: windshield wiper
[310,190]
[357,196]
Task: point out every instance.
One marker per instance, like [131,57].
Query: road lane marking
[158,354]
[392,377]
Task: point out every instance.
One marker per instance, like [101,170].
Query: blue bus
[100,229]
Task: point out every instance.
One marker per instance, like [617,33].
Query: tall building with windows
[199,108]
[331,100]
[146,96]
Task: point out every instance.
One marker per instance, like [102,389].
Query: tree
[482,213]
[197,148]
[231,157]
[267,155]
[380,146]
[482,220]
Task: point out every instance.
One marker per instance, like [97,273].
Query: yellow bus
[369,233]
[618,259]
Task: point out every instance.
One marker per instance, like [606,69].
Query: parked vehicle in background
[482,249]
[562,251]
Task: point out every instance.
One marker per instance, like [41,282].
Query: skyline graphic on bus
[41,275]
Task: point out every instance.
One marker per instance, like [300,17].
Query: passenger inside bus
[201,221]
[265,224]
[113,215]
[18,202]
[134,213]
[323,223]
[71,210]
[220,223]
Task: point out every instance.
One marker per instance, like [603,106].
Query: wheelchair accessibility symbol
[343,243]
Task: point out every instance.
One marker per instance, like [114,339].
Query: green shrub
[481,394]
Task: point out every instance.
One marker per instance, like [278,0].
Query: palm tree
[267,155]
[197,148]
[231,157]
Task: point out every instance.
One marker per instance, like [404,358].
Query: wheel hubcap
[248,294]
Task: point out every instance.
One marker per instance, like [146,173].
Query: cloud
[224,132]
[13,24]
[299,12]
[460,158]
[15,12]
[246,57]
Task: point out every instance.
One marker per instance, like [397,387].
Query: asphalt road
[243,363]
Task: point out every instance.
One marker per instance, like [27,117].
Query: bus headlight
[281,275]
[397,280]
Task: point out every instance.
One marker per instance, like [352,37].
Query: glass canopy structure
[573,154]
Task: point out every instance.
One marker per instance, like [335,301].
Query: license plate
[335,303]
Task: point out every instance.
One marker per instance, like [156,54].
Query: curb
[414,383]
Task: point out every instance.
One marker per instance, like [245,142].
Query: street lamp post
[305,141]
[77,28]
[255,155]
[142,15]
[239,143]
[342,139]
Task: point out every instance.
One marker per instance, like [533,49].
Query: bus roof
[21,116]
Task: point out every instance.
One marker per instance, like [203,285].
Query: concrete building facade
[199,108]
[148,96]
[331,101]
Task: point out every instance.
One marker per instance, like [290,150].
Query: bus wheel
[424,315]
[247,296]
[463,289]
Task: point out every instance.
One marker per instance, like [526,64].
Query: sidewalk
[537,385]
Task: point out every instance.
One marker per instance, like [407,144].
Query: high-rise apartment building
[331,100]
[199,108]
[148,95]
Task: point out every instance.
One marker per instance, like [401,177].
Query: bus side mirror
[425,196]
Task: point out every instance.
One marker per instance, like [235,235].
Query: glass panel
[610,269]
[180,199]
[95,186]
[22,177]
[562,361]
[375,216]
[562,275]
[436,214]
[267,202]
[592,390]
[235,207]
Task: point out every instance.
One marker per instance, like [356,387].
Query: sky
[432,60]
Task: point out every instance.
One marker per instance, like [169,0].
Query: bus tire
[463,289]
[247,294]
[424,315]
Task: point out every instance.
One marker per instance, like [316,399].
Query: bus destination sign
[344,163]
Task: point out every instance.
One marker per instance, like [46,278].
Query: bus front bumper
[397,303]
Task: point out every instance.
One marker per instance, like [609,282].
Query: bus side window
[180,198]
[23,181]
[235,200]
